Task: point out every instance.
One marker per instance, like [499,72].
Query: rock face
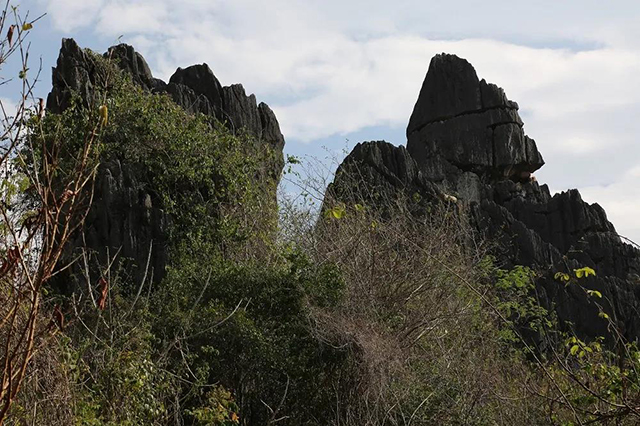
[466,138]
[462,124]
[384,173]
[126,216]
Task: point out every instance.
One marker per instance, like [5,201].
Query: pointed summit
[468,124]
[450,88]
[466,146]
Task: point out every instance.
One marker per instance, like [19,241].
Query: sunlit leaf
[574,349]
[104,115]
[336,212]
[584,272]
[594,293]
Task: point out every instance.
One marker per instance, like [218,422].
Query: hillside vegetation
[381,309]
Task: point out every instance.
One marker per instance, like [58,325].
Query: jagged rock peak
[195,88]
[392,161]
[202,81]
[72,73]
[452,88]
[377,173]
[468,123]
[133,63]
[126,214]
[465,139]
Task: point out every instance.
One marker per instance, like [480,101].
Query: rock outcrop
[381,175]
[462,124]
[467,138]
[126,217]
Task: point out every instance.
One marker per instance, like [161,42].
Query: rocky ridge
[125,215]
[465,138]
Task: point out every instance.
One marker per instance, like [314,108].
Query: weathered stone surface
[468,123]
[381,175]
[74,72]
[465,136]
[126,222]
[271,130]
[201,80]
[133,63]
[198,90]
[186,98]
[451,89]
[241,110]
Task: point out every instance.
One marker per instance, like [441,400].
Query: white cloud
[132,17]
[621,201]
[71,15]
[336,68]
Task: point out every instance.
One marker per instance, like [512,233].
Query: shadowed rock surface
[377,173]
[466,137]
[125,215]
[462,124]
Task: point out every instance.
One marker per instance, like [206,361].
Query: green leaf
[602,314]
[336,212]
[561,276]
[584,272]
[292,159]
[574,349]
[27,26]
[594,293]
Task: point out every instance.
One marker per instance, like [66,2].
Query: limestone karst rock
[384,172]
[466,138]
[466,123]
[125,215]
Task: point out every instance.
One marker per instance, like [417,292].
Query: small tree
[40,207]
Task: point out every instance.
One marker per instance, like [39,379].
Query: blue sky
[339,72]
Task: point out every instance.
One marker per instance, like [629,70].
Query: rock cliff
[126,215]
[465,138]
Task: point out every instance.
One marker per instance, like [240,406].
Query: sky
[340,72]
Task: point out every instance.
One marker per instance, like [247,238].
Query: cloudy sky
[337,72]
